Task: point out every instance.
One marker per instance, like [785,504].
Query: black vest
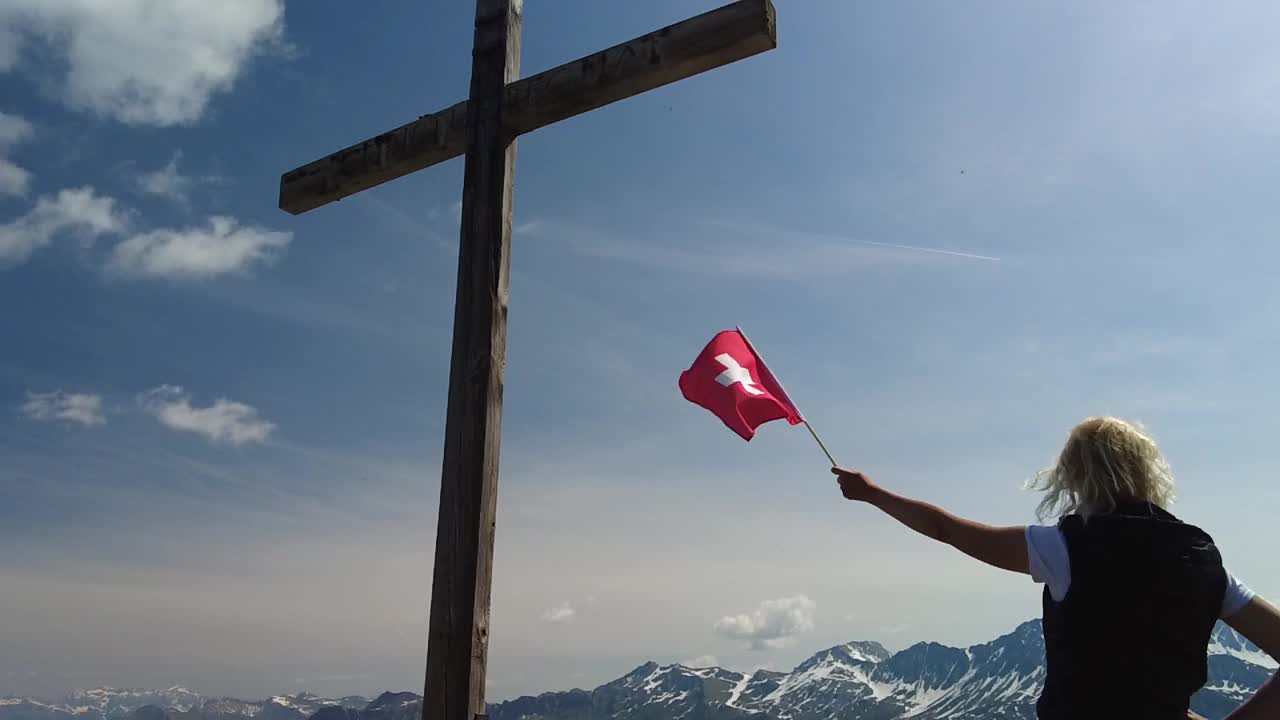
[1130,638]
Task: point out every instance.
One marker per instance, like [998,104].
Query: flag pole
[809,427]
[824,447]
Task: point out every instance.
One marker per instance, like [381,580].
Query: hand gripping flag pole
[787,397]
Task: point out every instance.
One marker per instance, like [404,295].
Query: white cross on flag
[731,380]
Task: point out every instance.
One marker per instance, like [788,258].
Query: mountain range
[998,680]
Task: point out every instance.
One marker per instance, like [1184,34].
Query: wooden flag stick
[788,395]
[824,447]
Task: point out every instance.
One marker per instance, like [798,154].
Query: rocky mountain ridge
[998,680]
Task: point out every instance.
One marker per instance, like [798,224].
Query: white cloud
[750,668]
[8,49]
[225,421]
[71,407]
[773,625]
[13,179]
[223,246]
[567,611]
[13,130]
[139,61]
[702,661]
[895,629]
[562,614]
[166,182]
[169,182]
[81,211]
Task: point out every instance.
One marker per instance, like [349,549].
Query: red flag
[731,381]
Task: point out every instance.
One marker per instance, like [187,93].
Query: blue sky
[221,424]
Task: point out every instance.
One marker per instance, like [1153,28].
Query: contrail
[936,251]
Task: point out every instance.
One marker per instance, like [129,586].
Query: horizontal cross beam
[676,52]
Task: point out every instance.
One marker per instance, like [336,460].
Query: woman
[1131,593]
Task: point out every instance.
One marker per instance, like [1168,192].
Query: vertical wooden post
[458,642]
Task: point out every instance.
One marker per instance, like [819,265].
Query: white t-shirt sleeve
[1048,559]
[1238,595]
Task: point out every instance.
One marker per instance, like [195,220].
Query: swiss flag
[731,381]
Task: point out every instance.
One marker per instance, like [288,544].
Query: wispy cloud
[139,62]
[702,661]
[452,212]
[81,408]
[80,211]
[741,249]
[562,614]
[225,421]
[13,130]
[221,247]
[171,183]
[775,624]
[407,221]
[567,612]
[8,48]
[936,251]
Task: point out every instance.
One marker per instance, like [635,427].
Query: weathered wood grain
[458,641]
[676,52]
[427,141]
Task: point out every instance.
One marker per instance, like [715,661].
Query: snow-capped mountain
[111,701]
[115,704]
[999,680]
[97,704]
[393,706]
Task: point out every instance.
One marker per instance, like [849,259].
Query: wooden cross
[485,127]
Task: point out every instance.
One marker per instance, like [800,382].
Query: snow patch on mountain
[1226,641]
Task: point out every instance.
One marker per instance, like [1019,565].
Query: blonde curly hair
[1105,461]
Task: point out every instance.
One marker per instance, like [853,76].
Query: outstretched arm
[1259,621]
[1003,547]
